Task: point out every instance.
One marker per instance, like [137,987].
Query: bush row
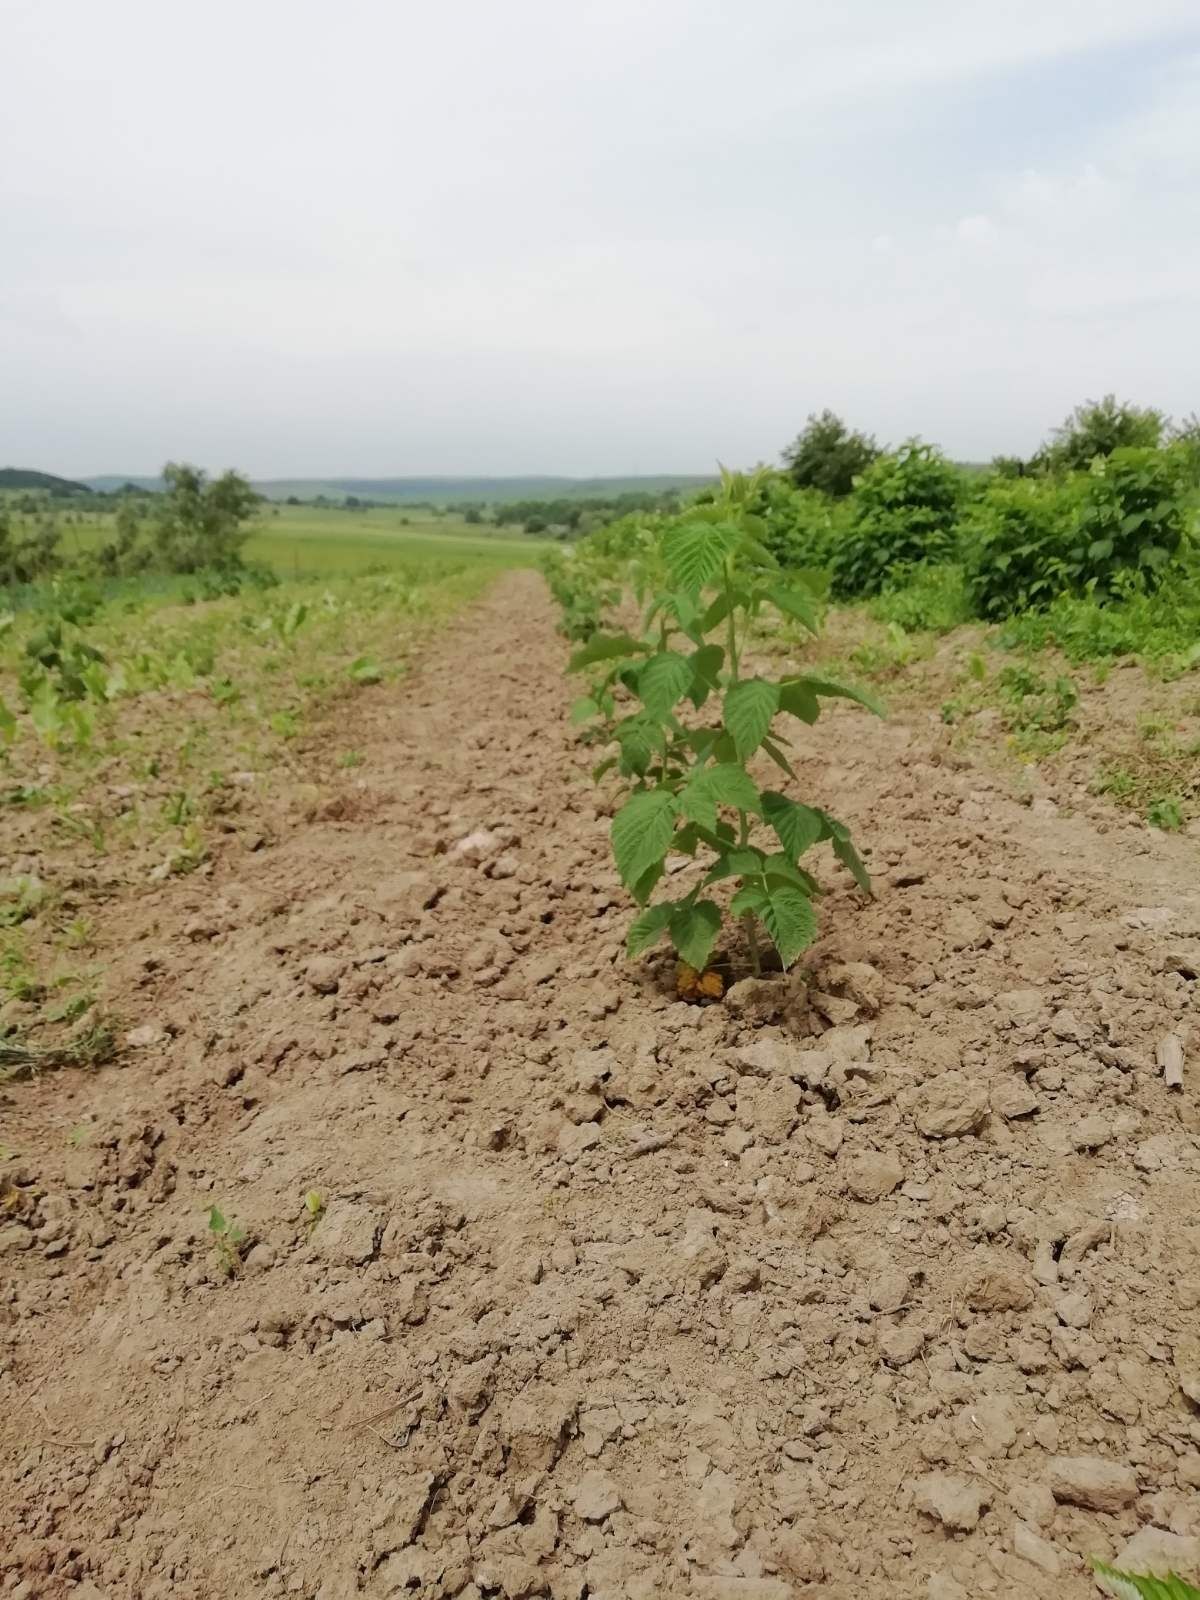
[1021,541]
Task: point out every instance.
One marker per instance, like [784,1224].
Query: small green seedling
[314,1206]
[228,1238]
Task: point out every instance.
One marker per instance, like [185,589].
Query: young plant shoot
[687,720]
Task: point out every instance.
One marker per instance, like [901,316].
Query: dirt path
[613,1296]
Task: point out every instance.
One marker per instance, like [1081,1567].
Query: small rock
[1030,1546]
[1092,1482]
[596,1497]
[1013,1098]
[899,1346]
[1092,1133]
[1074,1310]
[1156,1553]
[950,1105]
[889,1291]
[954,1502]
[147,1036]
[872,1175]
[323,974]
[348,1233]
[996,1287]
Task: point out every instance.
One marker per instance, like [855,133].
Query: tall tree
[826,455]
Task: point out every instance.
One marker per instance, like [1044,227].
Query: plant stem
[730,625]
[752,938]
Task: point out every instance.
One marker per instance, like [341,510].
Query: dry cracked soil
[883,1278]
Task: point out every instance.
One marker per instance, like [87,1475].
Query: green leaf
[640,739]
[641,833]
[8,724]
[706,672]
[797,827]
[216,1222]
[795,603]
[695,552]
[771,749]
[798,699]
[779,870]
[1130,1586]
[749,707]
[844,850]
[831,687]
[694,930]
[789,918]
[741,863]
[726,784]
[752,897]
[601,767]
[647,883]
[663,681]
[583,711]
[605,647]
[648,928]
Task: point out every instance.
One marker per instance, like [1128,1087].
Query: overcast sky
[585,236]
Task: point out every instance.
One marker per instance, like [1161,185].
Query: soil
[881,1278]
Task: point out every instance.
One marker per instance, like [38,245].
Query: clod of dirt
[950,1105]
[872,1175]
[596,1497]
[348,1233]
[1030,1546]
[323,973]
[1157,1553]
[957,1503]
[1092,1482]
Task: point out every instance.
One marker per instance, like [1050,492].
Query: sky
[600,237]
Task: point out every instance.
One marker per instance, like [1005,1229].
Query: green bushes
[801,527]
[1135,515]
[905,510]
[1016,545]
[1029,540]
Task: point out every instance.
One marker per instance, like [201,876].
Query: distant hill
[24,478]
[404,491]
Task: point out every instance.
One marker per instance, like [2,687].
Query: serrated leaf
[726,784]
[640,739]
[799,700]
[797,827]
[741,863]
[789,918]
[694,930]
[844,850]
[605,647]
[663,681]
[751,897]
[1131,1586]
[706,671]
[779,870]
[216,1221]
[648,928]
[830,687]
[641,833]
[695,552]
[648,882]
[795,603]
[772,749]
[748,710]
[583,711]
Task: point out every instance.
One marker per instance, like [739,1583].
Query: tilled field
[883,1279]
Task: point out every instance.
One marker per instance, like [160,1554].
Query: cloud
[580,238]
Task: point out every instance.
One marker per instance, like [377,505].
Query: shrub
[801,527]
[1097,428]
[904,512]
[827,456]
[1136,515]
[931,598]
[1017,545]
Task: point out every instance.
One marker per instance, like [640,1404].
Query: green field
[312,541]
[308,539]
